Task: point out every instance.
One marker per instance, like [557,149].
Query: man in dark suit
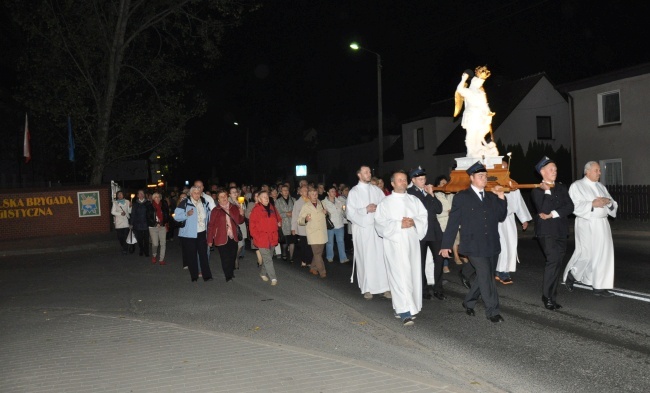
[553,205]
[433,238]
[479,214]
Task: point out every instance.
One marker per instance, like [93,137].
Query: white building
[610,124]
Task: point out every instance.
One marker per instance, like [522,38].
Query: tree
[122,69]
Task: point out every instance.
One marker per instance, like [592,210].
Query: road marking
[644,297]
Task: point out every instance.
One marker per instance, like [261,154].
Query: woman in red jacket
[222,232]
[264,223]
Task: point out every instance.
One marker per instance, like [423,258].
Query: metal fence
[633,201]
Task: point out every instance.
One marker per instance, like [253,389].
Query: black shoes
[464,280]
[569,282]
[603,293]
[207,279]
[550,304]
[439,295]
[496,318]
[468,311]
[408,322]
[427,296]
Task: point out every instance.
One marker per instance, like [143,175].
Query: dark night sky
[291,60]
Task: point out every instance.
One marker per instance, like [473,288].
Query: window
[418,139]
[544,129]
[609,108]
[611,172]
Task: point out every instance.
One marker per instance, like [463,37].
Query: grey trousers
[267,268]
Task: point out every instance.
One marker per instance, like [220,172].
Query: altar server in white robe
[368,249]
[402,221]
[592,262]
[508,236]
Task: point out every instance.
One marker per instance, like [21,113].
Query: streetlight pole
[380,116]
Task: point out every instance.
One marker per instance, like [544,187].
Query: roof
[623,73]
[503,98]
[444,108]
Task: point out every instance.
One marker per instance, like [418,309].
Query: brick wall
[54,211]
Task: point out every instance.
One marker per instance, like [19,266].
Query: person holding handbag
[313,217]
[224,232]
[264,224]
[122,212]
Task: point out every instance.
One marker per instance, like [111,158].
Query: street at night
[74,309]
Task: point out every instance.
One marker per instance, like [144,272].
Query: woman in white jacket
[121,212]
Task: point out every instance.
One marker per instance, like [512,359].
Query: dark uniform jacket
[433,206]
[560,201]
[479,222]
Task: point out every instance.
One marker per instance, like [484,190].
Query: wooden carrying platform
[497,176]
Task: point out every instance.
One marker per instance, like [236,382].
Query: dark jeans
[122,234]
[193,247]
[554,249]
[306,254]
[228,255]
[142,235]
[434,246]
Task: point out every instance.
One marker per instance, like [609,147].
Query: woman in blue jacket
[194,211]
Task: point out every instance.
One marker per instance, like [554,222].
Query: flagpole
[19,157]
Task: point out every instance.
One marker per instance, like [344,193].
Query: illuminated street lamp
[380,121]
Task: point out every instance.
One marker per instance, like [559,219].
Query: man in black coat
[433,237]
[479,214]
[553,205]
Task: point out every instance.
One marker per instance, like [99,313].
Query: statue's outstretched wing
[458,102]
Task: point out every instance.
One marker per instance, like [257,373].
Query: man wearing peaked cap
[433,237]
[542,163]
[477,167]
[478,213]
[553,205]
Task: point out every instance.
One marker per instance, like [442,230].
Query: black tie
[482,195]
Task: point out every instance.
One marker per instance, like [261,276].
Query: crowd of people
[401,241]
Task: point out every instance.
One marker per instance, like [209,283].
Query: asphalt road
[592,345]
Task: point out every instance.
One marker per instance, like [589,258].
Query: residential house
[610,124]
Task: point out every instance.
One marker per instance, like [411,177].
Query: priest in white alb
[402,221]
[368,249]
[592,262]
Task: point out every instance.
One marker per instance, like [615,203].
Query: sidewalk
[93,353]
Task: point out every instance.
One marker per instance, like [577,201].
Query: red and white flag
[27,150]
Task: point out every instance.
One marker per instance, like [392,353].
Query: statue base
[462,163]
[497,175]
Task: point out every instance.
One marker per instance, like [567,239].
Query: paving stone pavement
[74,352]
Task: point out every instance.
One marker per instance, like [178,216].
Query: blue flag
[70,141]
